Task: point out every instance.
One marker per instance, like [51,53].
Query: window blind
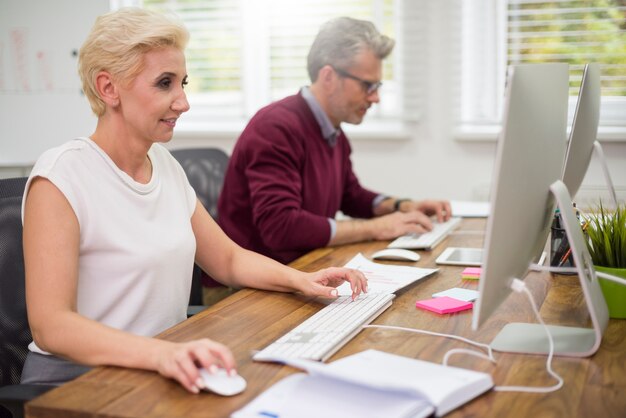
[243,54]
[576,32]
[500,33]
[214,54]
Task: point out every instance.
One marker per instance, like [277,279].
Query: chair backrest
[14,331]
[205,169]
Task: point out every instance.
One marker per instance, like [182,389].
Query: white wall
[40,92]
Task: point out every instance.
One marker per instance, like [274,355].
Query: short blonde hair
[117,43]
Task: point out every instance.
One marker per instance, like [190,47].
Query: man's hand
[439,208]
[399,223]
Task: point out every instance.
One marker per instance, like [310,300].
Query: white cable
[519,286]
[550,269]
[490,356]
[466,351]
[611,278]
[606,276]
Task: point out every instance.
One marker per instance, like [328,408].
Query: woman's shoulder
[66,151]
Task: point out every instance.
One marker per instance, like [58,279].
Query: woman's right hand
[181,361]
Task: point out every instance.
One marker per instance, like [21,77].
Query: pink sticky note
[471,271]
[444,305]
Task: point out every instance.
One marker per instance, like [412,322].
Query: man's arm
[394,217]
[390,218]
[380,228]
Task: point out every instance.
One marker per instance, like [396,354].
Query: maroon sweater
[284,181]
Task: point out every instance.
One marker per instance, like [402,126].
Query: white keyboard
[321,335]
[427,240]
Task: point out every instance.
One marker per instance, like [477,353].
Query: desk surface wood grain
[249,320]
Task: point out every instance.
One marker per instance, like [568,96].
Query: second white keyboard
[321,335]
[427,240]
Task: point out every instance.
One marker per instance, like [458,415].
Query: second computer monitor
[527,182]
[584,129]
[583,135]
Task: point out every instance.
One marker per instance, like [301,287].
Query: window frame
[491,16]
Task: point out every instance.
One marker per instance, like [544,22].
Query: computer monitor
[583,135]
[527,179]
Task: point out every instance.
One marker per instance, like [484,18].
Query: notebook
[368,384]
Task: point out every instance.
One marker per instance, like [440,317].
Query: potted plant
[606,241]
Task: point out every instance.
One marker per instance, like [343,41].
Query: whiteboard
[41,102]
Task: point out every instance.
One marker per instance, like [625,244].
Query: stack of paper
[449,301]
[471,273]
[444,305]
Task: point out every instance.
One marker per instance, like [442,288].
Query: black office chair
[14,331]
[205,169]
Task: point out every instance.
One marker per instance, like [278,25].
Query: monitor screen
[530,154]
[583,136]
[584,129]
[527,183]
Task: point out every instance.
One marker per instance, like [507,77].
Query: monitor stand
[605,169]
[568,341]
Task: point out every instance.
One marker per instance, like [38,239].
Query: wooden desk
[249,320]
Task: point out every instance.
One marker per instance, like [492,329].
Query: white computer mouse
[221,383]
[396,254]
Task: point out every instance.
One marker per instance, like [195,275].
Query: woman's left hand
[324,282]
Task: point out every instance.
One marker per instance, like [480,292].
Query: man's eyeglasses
[368,86]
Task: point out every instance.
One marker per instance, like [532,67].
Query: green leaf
[606,236]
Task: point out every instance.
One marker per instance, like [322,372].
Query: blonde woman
[112,227]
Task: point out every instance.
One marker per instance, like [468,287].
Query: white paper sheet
[384,278]
[468,209]
[467,295]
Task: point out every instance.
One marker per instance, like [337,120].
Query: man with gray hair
[290,171]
